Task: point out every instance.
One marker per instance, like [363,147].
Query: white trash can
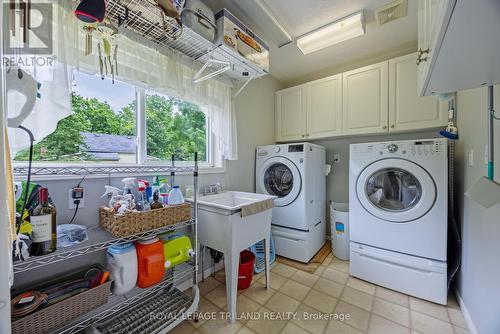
[339,218]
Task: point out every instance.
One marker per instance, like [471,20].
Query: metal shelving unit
[98,240]
[122,304]
[145,20]
[180,305]
[40,170]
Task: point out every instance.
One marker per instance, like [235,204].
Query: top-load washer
[398,194]
[295,173]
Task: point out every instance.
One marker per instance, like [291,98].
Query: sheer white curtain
[139,62]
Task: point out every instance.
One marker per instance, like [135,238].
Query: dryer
[295,173]
[398,193]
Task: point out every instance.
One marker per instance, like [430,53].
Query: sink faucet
[212,189]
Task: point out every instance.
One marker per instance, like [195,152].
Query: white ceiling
[298,17]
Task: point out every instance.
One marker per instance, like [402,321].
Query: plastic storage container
[175,197]
[200,18]
[339,218]
[122,267]
[245,270]
[150,262]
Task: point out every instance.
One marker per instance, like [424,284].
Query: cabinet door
[290,114]
[407,110]
[324,108]
[365,99]
[432,22]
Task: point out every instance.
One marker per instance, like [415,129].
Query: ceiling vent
[392,11]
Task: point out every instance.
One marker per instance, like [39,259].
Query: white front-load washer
[398,193]
[295,173]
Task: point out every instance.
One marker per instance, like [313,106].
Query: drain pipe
[491,134]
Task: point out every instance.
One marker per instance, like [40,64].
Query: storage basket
[134,222]
[55,316]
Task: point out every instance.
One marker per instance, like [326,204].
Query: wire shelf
[98,240]
[22,170]
[117,305]
[145,19]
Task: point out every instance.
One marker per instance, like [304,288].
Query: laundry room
[249,166]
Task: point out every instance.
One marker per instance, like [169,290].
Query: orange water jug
[150,262]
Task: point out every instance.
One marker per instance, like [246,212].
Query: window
[103,127]
[174,127]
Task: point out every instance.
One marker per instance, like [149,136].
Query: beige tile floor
[330,290]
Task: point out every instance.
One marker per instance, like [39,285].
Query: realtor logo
[27,27]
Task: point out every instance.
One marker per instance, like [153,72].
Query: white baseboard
[465,312]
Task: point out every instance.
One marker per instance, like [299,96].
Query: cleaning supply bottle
[175,197]
[142,203]
[114,192]
[156,204]
[129,184]
[122,266]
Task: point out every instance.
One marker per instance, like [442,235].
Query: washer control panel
[401,148]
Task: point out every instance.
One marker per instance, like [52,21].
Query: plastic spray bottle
[114,192]
[142,203]
[129,184]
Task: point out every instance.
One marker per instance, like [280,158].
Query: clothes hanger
[244,85]
[198,76]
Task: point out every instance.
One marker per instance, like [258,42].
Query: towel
[254,208]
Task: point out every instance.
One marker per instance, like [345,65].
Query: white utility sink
[221,227]
[230,200]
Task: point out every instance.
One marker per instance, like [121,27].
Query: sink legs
[231,264]
[267,247]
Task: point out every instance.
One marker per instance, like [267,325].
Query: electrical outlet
[76,194]
[471,157]
[336,158]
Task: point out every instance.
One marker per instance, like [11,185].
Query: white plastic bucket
[339,218]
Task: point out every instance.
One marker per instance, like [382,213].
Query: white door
[396,190]
[365,99]
[279,177]
[407,110]
[324,107]
[290,114]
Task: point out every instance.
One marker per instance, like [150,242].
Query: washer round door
[396,190]
[280,177]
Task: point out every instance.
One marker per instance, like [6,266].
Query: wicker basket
[55,316]
[141,221]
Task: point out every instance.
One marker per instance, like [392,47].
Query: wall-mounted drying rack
[144,18]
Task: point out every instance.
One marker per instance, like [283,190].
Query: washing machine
[398,193]
[295,173]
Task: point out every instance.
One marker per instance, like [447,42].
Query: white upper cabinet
[463,43]
[365,99]
[408,111]
[290,116]
[324,108]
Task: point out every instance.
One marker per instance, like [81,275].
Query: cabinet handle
[419,60]
[392,126]
[303,136]
[384,127]
[421,52]
[307,135]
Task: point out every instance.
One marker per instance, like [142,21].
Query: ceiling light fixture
[333,33]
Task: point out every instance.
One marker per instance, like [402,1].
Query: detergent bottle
[175,197]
